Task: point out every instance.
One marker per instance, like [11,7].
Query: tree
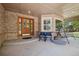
[58,25]
[75,24]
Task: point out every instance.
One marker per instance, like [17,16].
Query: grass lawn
[76,34]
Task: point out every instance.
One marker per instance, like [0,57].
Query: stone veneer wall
[2,25]
[11,24]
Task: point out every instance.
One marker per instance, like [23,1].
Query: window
[46,24]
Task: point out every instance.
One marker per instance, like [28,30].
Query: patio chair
[45,36]
[61,34]
[58,35]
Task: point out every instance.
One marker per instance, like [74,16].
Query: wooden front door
[27,26]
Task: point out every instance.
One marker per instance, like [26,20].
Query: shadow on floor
[59,42]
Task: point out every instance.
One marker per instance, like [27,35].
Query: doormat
[27,38]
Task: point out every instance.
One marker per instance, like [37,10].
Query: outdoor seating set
[49,35]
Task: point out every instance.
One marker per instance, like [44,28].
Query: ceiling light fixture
[29,12]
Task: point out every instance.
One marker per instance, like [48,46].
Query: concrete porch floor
[41,48]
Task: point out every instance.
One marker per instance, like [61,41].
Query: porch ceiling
[36,8]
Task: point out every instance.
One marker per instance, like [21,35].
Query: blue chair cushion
[45,33]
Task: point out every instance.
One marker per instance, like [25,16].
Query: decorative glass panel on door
[31,26]
[25,27]
[19,25]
